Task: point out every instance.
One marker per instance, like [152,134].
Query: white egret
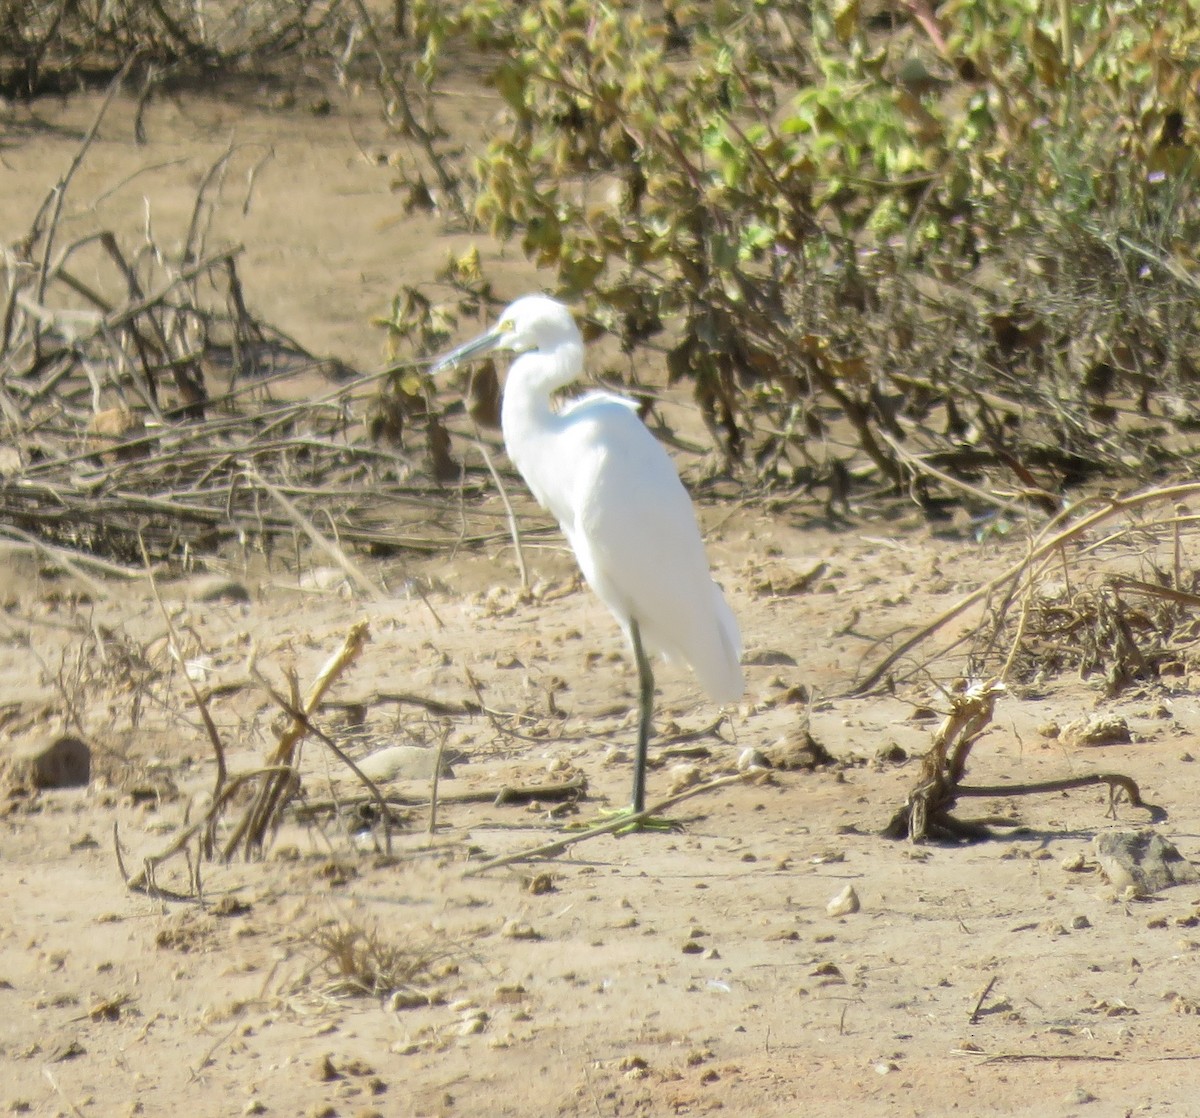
[593,464]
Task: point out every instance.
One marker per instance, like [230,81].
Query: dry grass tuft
[360,960]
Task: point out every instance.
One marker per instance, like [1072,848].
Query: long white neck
[528,418]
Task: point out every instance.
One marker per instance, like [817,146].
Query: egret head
[532,324]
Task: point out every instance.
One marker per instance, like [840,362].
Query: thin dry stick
[58,193]
[555,848]
[513,528]
[254,823]
[294,712]
[981,999]
[142,882]
[210,726]
[412,126]
[1114,507]
[352,569]
[69,561]
[61,1093]
[1065,784]
[433,787]
[919,465]
[1026,608]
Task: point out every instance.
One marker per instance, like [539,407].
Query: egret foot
[649,823]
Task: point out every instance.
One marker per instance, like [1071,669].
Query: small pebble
[682,777]
[1078,922]
[845,903]
[1097,730]
[518,929]
[473,1024]
[324,1071]
[751,760]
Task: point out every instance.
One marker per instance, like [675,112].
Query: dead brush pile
[48,45]
[137,408]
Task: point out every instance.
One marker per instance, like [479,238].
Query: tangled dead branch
[137,407]
[1116,651]
[48,44]
[926,813]
[278,782]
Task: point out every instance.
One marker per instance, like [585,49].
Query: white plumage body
[595,466]
[615,493]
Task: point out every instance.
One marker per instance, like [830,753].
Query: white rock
[401,762]
[844,903]
[751,760]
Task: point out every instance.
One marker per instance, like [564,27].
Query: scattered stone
[540,883]
[518,929]
[255,1106]
[66,762]
[1143,861]
[473,1023]
[633,1067]
[891,754]
[1074,863]
[410,999]
[799,750]
[217,588]
[1080,922]
[752,759]
[403,762]
[831,973]
[769,658]
[324,1071]
[325,578]
[682,777]
[1049,729]
[845,903]
[231,905]
[1078,1097]
[1097,730]
[110,431]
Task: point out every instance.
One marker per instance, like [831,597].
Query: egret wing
[639,546]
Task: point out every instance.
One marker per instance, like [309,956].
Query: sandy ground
[653,974]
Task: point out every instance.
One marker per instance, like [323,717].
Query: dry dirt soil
[680,973]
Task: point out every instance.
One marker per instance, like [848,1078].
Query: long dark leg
[645,711]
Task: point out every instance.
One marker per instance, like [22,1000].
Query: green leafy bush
[959,232]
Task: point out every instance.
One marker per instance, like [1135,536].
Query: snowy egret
[595,466]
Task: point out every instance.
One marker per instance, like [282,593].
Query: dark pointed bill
[467,350]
